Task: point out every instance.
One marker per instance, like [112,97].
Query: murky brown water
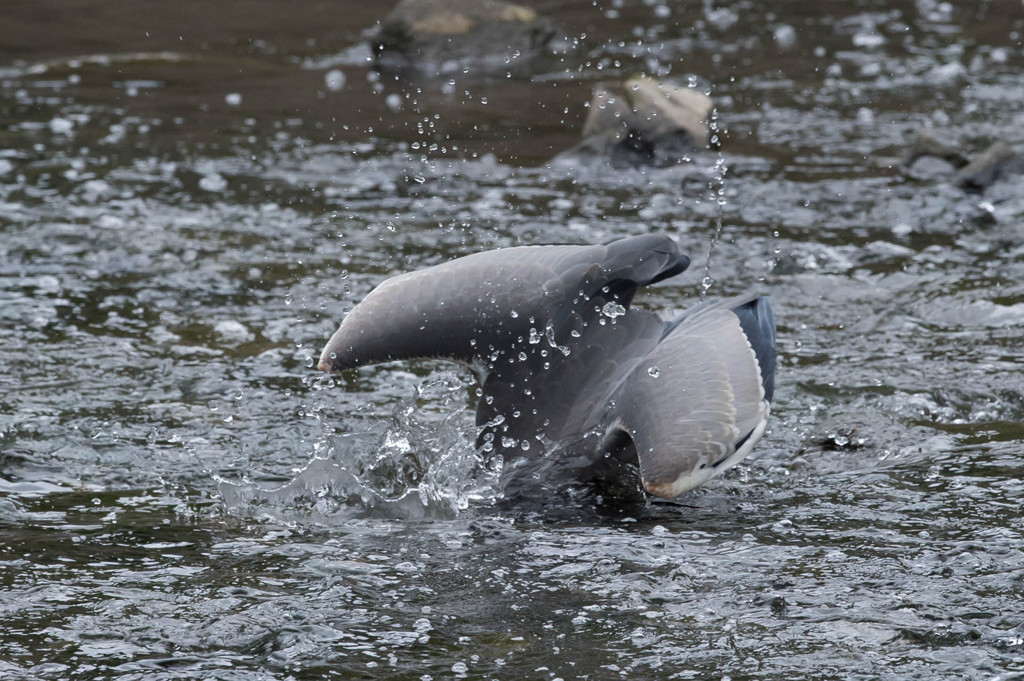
[188,204]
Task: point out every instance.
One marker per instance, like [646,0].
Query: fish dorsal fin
[471,307]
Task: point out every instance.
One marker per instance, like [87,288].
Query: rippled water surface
[190,202]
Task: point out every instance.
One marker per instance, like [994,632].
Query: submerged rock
[444,36]
[643,121]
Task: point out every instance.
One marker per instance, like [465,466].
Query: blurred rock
[928,158]
[927,147]
[997,162]
[930,168]
[645,122]
[446,36]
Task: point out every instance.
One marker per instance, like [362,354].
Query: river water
[191,197]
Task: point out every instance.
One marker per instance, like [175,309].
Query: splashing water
[421,463]
[716,186]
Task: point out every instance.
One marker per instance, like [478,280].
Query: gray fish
[566,364]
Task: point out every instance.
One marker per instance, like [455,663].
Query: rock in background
[928,158]
[996,163]
[643,121]
[440,37]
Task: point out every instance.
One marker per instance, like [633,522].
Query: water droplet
[653,372]
[334,80]
[612,310]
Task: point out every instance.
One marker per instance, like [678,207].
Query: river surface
[192,196]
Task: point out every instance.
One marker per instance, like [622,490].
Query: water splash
[716,186]
[420,463]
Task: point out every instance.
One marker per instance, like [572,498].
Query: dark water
[189,203]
